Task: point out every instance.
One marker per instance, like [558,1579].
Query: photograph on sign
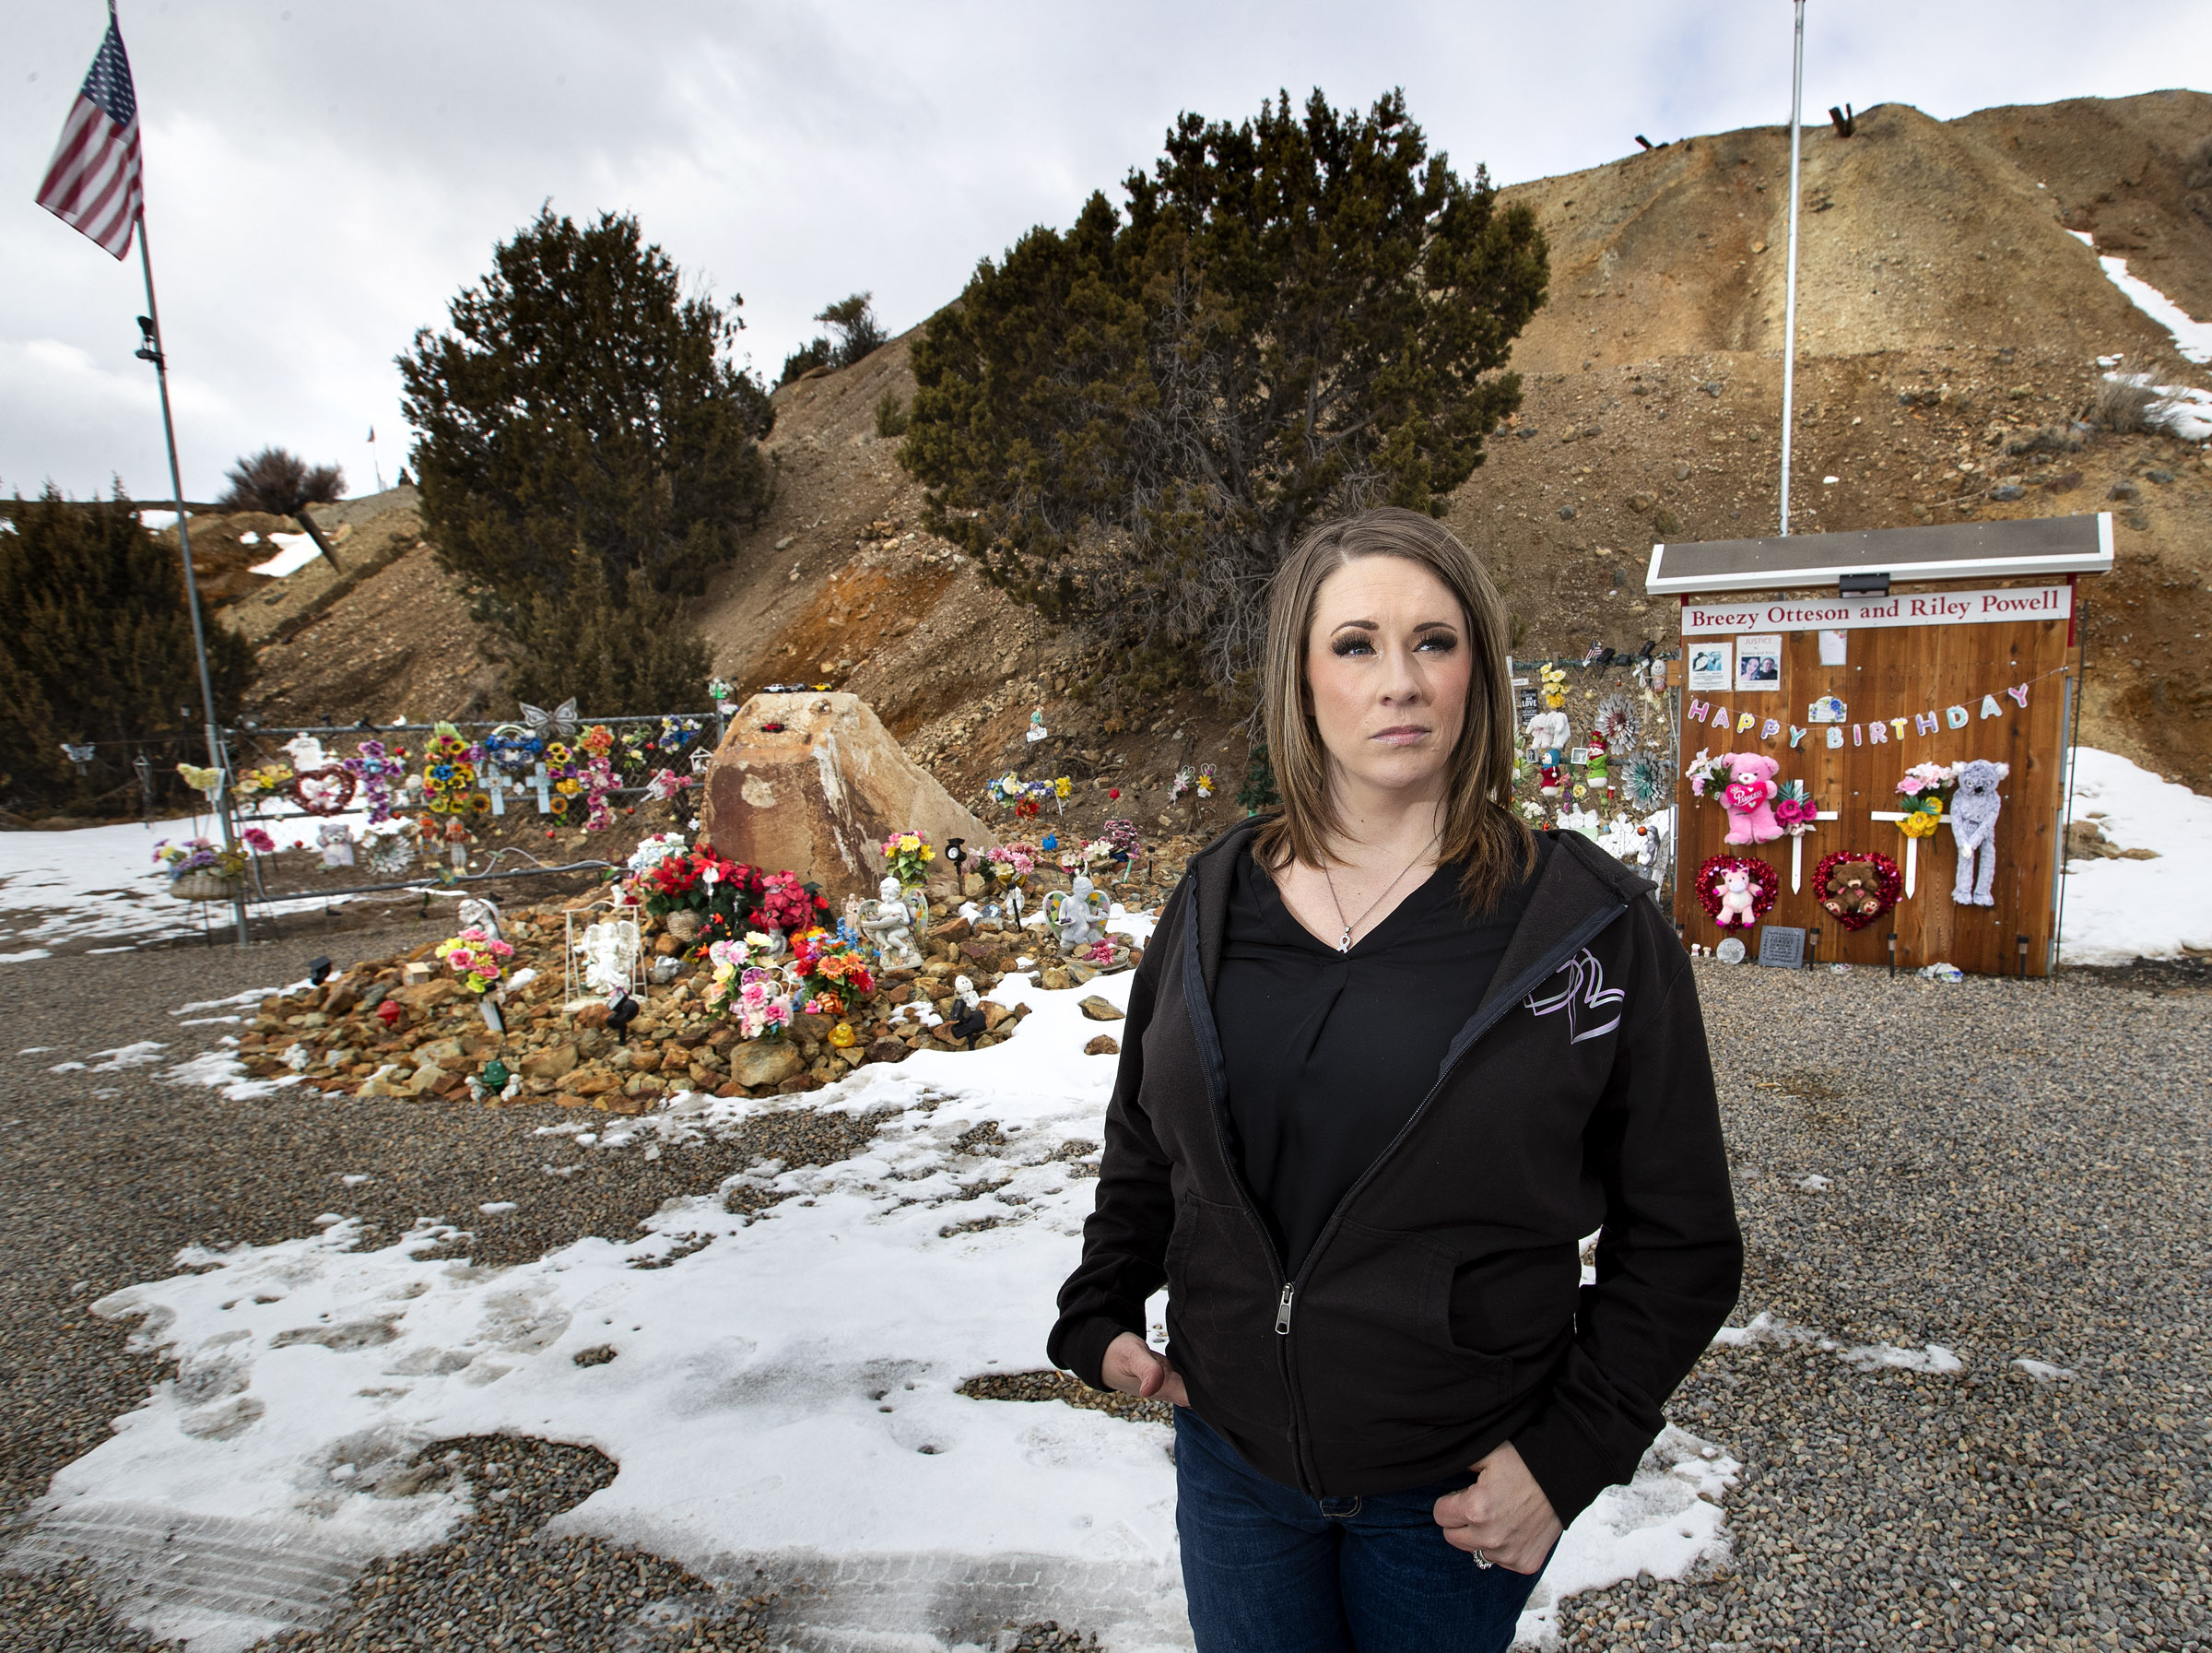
[1835,648]
[1713,665]
[1827,709]
[1759,664]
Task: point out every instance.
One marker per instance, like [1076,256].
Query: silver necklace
[1344,942]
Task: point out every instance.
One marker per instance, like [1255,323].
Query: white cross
[1798,851]
[1911,845]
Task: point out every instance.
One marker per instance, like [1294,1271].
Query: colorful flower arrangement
[1710,776]
[1796,810]
[1026,799]
[449,777]
[694,878]
[666,785]
[270,780]
[1189,780]
[1123,835]
[1922,789]
[200,854]
[258,841]
[474,958]
[512,748]
[376,769]
[831,971]
[906,856]
[1010,863]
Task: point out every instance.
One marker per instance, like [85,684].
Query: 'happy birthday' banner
[1832,716]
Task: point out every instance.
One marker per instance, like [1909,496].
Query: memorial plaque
[1782,947]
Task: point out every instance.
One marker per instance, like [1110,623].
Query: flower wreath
[1889,884]
[1766,883]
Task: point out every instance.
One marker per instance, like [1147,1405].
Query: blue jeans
[1269,1570]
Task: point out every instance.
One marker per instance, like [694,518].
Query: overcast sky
[321,179]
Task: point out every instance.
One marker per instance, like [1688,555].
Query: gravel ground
[2013,1171]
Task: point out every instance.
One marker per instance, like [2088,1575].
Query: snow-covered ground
[783,1394]
[2184,410]
[2120,910]
[784,1388]
[101,883]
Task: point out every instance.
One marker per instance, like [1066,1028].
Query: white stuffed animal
[1736,901]
[1974,808]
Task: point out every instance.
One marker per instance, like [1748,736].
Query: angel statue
[609,950]
[1077,912]
[889,923]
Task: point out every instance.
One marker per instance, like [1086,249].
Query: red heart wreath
[1856,901]
[1765,885]
[321,791]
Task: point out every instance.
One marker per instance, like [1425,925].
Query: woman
[1388,1058]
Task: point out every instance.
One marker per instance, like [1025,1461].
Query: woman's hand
[1133,1368]
[1505,1514]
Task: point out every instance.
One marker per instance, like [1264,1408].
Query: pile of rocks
[402,1027]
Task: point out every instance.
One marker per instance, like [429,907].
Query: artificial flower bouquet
[200,854]
[1922,790]
[1710,776]
[744,988]
[475,958]
[906,856]
[1189,780]
[788,904]
[1795,809]
[832,973]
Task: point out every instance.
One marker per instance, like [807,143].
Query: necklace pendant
[1344,942]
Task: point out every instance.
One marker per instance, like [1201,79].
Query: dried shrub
[280,483]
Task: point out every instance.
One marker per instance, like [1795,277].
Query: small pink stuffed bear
[1749,796]
[1737,900]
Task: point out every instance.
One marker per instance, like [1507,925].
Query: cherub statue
[609,950]
[1077,912]
[888,923]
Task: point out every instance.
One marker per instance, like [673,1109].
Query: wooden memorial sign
[1846,659]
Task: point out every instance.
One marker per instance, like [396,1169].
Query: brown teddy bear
[1852,889]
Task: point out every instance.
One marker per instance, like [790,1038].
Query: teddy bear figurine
[1547,737]
[1974,808]
[1851,890]
[1734,888]
[1749,797]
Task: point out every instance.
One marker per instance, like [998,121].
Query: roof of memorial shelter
[2041,545]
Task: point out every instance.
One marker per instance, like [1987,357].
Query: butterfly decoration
[556,725]
[208,782]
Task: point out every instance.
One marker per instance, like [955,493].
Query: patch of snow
[1871,1357]
[1815,1184]
[141,1055]
[1771,1328]
[353,1179]
[25,957]
[811,1416]
[295,553]
[220,1070]
[2044,1371]
[2182,410]
[2191,337]
[2120,910]
[252,995]
[497,1207]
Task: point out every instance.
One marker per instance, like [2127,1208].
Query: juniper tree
[583,426]
[1130,422]
[100,651]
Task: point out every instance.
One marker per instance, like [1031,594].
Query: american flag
[92,185]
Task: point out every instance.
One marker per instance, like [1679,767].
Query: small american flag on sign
[92,185]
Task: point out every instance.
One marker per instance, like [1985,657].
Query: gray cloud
[322,179]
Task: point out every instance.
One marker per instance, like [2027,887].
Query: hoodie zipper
[1201,1011]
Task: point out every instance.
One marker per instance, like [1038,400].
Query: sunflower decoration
[1648,780]
[557,756]
[1618,720]
[479,803]
[448,775]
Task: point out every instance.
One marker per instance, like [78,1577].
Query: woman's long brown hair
[1481,834]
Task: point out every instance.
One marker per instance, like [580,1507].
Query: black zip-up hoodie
[1578,1098]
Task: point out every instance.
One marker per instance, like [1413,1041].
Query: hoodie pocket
[1374,1343]
[1221,1306]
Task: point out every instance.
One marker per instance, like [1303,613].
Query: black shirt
[1329,1054]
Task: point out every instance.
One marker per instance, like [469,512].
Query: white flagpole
[151,350]
[1789,321]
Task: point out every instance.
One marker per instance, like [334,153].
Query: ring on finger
[1483,1561]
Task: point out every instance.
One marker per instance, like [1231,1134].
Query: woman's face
[1388,662]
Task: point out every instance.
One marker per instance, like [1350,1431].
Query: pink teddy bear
[1749,797]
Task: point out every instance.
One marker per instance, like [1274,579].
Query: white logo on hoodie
[1585,992]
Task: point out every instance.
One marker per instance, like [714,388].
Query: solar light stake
[1813,953]
[1789,308]
[1893,954]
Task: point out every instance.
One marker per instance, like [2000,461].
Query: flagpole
[153,352]
[1789,322]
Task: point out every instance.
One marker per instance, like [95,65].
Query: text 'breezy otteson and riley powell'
[1846,613]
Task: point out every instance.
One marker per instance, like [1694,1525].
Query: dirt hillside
[1950,323]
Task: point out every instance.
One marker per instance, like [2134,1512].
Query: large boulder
[819,793]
